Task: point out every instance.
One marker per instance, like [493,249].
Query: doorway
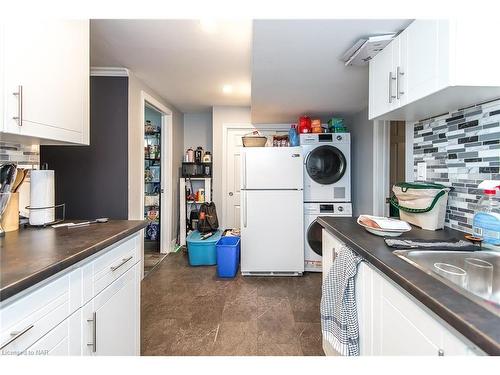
[397,158]
[156,196]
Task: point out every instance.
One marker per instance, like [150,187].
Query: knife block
[10,218]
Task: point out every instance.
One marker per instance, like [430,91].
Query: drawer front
[26,320]
[111,265]
[63,340]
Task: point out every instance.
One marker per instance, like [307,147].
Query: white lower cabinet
[63,340]
[93,309]
[111,319]
[392,322]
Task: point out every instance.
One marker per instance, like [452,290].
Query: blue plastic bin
[202,252]
[228,256]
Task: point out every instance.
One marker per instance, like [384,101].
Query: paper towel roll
[42,194]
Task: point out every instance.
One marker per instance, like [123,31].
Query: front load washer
[312,234]
[327,167]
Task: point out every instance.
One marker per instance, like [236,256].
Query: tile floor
[189,311]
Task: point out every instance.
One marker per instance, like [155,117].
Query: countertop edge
[485,343]
[12,290]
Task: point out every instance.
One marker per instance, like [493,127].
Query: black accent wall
[93,180]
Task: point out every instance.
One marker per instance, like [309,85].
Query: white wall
[198,130]
[223,115]
[136,150]
[362,156]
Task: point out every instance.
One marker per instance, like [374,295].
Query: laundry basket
[421,204]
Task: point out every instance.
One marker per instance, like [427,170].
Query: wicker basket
[254,141]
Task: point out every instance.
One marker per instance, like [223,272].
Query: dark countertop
[31,255]
[476,323]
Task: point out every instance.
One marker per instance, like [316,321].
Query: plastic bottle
[486,222]
[293,137]
[304,125]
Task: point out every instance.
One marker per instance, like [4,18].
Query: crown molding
[101,71]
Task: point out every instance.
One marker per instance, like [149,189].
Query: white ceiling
[296,67]
[186,61]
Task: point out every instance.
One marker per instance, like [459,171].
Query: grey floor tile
[190,311]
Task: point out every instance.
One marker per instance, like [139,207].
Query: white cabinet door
[399,62]
[421,59]
[364,293]
[63,340]
[402,327]
[395,332]
[111,319]
[50,61]
[381,83]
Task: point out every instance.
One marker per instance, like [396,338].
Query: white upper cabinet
[437,66]
[45,87]
[419,58]
[380,85]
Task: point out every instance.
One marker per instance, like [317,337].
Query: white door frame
[166,185]
[238,126]
[381,163]
[381,167]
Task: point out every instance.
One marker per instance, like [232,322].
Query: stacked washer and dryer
[327,187]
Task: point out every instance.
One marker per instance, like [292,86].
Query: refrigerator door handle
[244,170]
[244,209]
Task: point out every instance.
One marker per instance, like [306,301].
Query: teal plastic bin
[202,252]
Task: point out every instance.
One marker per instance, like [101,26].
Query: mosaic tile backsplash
[27,156]
[461,149]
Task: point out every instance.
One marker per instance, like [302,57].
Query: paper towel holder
[56,221]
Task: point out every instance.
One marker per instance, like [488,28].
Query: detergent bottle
[293,137]
[486,222]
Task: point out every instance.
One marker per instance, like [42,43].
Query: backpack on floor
[207,218]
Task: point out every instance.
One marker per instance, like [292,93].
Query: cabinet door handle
[15,335]
[399,74]
[391,78]
[125,260]
[19,95]
[93,344]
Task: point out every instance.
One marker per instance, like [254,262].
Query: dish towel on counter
[339,317]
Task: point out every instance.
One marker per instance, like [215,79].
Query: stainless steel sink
[450,267]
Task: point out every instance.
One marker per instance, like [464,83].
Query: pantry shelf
[188,186]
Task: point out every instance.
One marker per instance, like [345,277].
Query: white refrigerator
[272,211]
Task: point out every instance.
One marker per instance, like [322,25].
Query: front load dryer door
[326,164]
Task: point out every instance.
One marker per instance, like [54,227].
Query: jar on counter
[207,158]
[190,155]
[198,154]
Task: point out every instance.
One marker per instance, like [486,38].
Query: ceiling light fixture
[208,25]
[227,89]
